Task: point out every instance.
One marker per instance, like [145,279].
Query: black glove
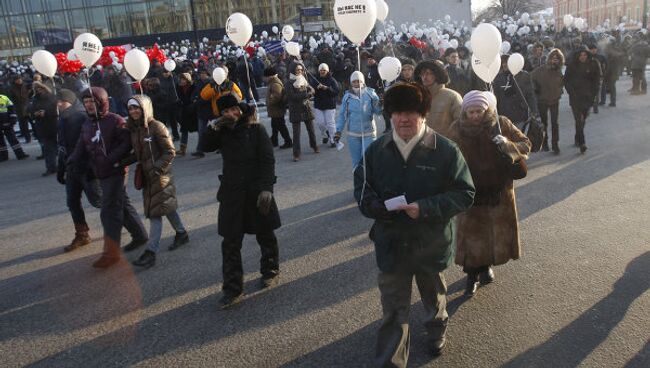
[376,209]
[60,176]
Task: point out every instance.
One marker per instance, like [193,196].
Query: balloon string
[99,129]
[496,110]
[250,86]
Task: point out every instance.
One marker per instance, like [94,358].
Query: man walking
[7,121]
[417,239]
[548,82]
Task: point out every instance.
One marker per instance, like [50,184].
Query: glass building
[28,25]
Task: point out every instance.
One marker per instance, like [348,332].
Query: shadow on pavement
[642,358]
[573,343]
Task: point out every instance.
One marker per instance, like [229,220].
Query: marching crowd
[452,146]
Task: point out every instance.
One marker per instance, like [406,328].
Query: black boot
[180,239]
[487,276]
[545,146]
[287,144]
[146,260]
[228,300]
[135,244]
[472,284]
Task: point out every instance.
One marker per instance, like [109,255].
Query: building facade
[597,11]
[29,25]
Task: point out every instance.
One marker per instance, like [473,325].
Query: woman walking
[298,93]
[488,233]
[187,114]
[154,151]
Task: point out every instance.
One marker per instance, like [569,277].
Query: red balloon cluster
[67,66]
[155,53]
[106,60]
[250,51]
[419,44]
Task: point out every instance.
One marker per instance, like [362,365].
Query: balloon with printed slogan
[355,18]
[389,68]
[137,64]
[219,75]
[239,29]
[44,62]
[487,72]
[88,48]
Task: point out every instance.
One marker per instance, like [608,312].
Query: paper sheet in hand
[394,203]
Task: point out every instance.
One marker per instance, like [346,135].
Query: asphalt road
[578,297]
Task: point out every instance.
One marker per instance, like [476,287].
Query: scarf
[405,148]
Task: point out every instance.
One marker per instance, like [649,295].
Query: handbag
[138,177]
[534,130]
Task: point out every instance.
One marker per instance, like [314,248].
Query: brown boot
[81,238]
[111,254]
[183,150]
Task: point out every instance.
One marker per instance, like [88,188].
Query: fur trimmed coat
[488,233]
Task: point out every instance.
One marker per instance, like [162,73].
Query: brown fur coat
[488,233]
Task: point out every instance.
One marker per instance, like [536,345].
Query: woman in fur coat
[488,233]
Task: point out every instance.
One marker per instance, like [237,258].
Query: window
[120,24]
[99,22]
[5,37]
[58,28]
[139,20]
[13,7]
[77,22]
[19,31]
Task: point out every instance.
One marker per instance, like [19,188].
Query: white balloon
[505,47]
[453,43]
[486,41]
[568,20]
[355,18]
[487,72]
[184,50]
[205,40]
[137,64]
[219,75]
[275,29]
[515,63]
[265,34]
[389,68]
[293,48]
[170,65]
[447,18]
[525,17]
[287,33]
[88,48]
[239,28]
[71,55]
[382,10]
[99,67]
[44,62]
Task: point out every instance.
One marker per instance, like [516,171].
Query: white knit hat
[357,75]
[323,66]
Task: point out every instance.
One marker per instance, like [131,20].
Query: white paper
[395,203]
[339,146]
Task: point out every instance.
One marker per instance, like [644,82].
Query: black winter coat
[581,80]
[187,111]
[325,99]
[514,102]
[248,169]
[69,130]
[45,126]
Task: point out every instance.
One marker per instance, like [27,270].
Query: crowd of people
[452,145]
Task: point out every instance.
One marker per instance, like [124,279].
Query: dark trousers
[247,89]
[168,117]
[7,132]
[233,273]
[387,121]
[278,125]
[555,128]
[639,83]
[309,124]
[580,115]
[24,129]
[75,185]
[202,124]
[609,86]
[50,150]
[117,211]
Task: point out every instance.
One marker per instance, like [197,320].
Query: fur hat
[405,97]
[66,95]
[42,85]
[270,71]
[436,67]
[227,101]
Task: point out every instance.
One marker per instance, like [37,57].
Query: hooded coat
[488,233]
[275,103]
[299,105]
[69,128]
[154,151]
[445,108]
[548,81]
[248,169]
[358,113]
[582,80]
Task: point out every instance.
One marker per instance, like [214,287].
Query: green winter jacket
[437,178]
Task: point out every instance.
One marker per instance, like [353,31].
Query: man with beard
[246,202]
[548,83]
[104,141]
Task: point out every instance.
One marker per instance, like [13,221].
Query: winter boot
[81,238]
[183,150]
[180,239]
[134,244]
[472,284]
[20,154]
[146,260]
[111,254]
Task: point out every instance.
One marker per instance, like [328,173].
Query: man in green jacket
[415,239]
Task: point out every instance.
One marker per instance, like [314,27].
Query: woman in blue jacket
[358,108]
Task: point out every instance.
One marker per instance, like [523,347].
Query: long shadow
[39,295]
[573,343]
[45,253]
[641,359]
[200,322]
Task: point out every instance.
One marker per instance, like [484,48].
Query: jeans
[325,120]
[50,150]
[75,184]
[580,116]
[357,146]
[233,273]
[155,229]
[202,124]
[279,126]
[117,211]
[309,124]
[555,128]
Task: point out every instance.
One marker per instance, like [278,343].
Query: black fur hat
[436,67]
[405,97]
[227,101]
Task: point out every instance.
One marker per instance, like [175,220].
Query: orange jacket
[208,93]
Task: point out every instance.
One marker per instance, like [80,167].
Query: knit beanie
[475,99]
[357,75]
[66,95]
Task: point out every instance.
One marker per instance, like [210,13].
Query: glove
[376,209]
[213,124]
[337,137]
[264,200]
[499,140]
[60,176]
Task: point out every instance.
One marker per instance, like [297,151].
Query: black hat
[66,95]
[436,67]
[270,71]
[404,97]
[227,101]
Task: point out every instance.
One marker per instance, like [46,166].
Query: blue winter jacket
[357,113]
